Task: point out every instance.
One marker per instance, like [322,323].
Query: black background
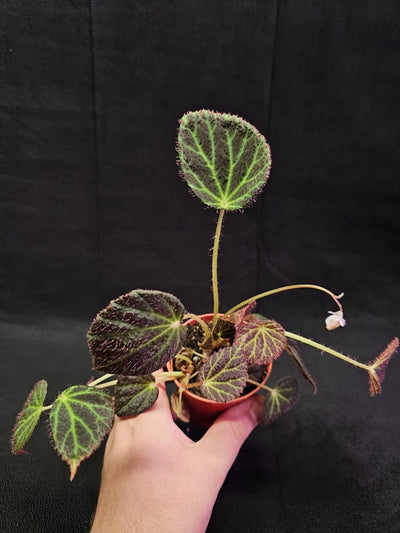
[92,207]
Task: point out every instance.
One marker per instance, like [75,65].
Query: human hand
[155,478]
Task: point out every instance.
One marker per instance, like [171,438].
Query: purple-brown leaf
[223,376]
[279,400]
[378,367]
[261,341]
[137,333]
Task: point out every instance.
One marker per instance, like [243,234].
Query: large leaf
[261,341]
[137,333]
[80,418]
[135,394]
[279,399]
[223,158]
[223,376]
[28,417]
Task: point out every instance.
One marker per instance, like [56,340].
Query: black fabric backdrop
[92,207]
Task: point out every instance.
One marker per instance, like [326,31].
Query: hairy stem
[252,382]
[217,238]
[108,384]
[162,377]
[100,379]
[287,288]
[319,346]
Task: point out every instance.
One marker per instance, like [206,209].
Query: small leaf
[378,367]
[242,313]
[135,394]
[279,400]
[137,333]
[179,407]
[223,158]
[223,329]
[28,417]
[80,418]
[298,361]
[257,372]
[223,376]
[261,341]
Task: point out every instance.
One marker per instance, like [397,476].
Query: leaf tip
[377,368]
[73,466]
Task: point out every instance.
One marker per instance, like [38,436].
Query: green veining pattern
[135,394]
[261,341]
[223,158]
[279,399]
[80,418]
[28,417]
[224,375]
[137,333]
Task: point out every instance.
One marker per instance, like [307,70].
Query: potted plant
[215,359]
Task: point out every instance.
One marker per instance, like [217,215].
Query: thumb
[225,437]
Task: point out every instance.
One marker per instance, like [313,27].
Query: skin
[155,478]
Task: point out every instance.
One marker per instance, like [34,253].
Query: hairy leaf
[80,418]
[298,361]
[223,376]
[223,158]
[28,417]
[242,313]
[135,394]
[137,333]
[279,400]
[378,367]
[261,341]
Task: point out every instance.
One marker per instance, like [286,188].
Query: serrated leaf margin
[218,194]
[135,394]
[261,341]
[223,376]
[34,403]
[281,400]
[104,402]
[127,347]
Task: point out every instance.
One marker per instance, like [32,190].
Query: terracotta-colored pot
[204,411]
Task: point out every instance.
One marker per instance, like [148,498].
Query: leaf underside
[80,418]
[135,394]
[28,417]
[223,376]
[261,341]
[298,361]
[277,402]
[223,158]
[137,333]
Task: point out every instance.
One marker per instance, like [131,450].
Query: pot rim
[207,317]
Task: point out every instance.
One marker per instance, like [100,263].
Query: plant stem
[47,407]
[286,288]
[168,376]
[217,238]
[319,346]
[100,379]
[108,384]
[203,324]
[252,382]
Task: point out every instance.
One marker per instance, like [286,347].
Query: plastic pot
[204,411]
